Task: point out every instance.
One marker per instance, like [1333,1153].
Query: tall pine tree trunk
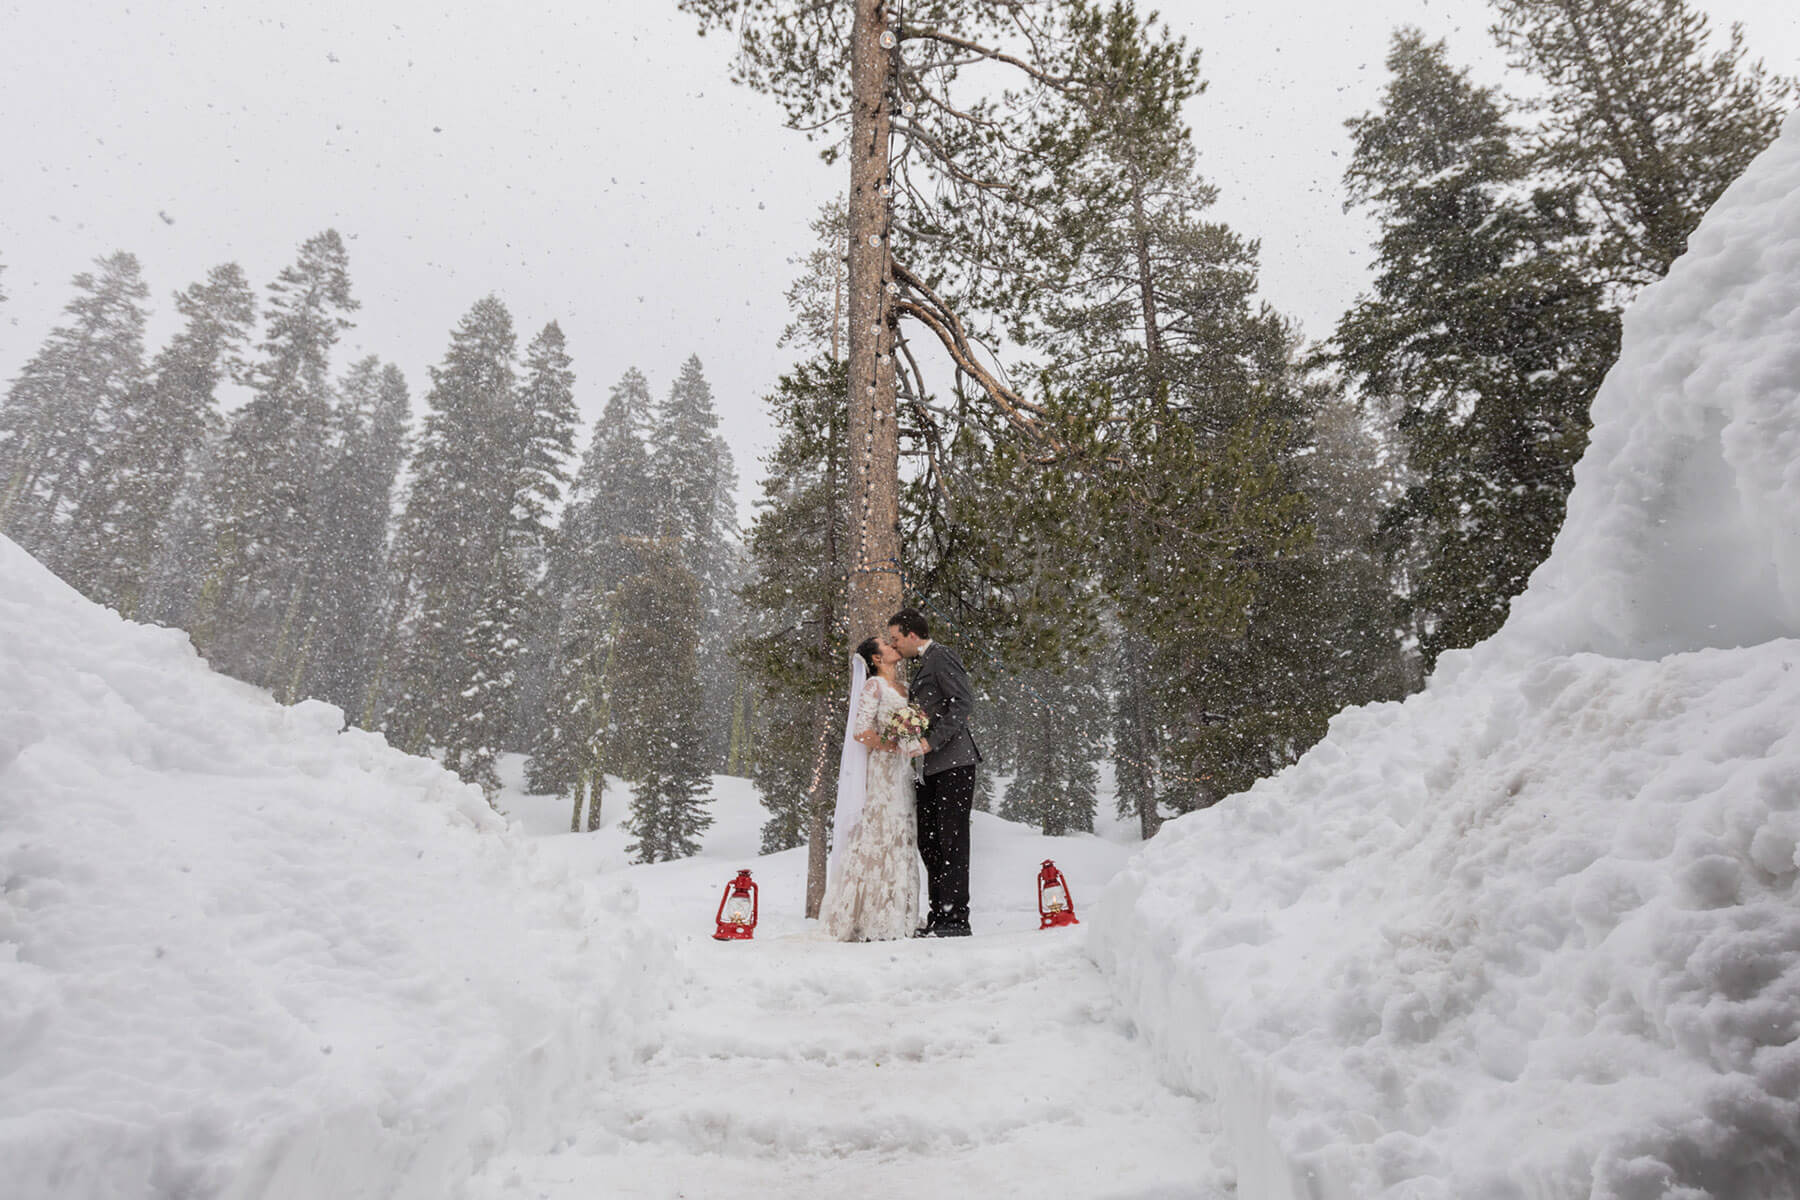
[1155,357]
[874,449]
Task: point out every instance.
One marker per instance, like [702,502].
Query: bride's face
[889,655]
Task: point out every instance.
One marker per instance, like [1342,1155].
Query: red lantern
[1055,907]
[737,910]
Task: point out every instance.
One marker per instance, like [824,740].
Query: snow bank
[243,954]
[1536,931]
[1683,530]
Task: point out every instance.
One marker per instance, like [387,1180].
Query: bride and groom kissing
[904,792]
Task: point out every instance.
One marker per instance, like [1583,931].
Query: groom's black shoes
[935,928]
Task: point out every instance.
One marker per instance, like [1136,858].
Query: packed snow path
[792,1066]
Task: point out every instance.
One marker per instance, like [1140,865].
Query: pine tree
[613,500]
[335,655]
[656,700]
[691,469]
[794,653]
[475,538]
[184,565]
[64,410]
[268,472]
[115,532]
[452,539]
[1201,528]
[546,439]
[569,746]
[544,432]
[1485,337]
[1150,319]
[480,721]
[935,145]
[694,483]
[1641,117]
[611,507]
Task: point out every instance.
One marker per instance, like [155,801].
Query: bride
[872,892]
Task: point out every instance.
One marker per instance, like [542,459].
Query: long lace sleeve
[868,706]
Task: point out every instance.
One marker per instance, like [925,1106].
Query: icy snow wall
[1535,932]
[244,955]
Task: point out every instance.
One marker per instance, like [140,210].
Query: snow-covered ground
[245,955]
[1536,931]
[1532,933]
[796,1066]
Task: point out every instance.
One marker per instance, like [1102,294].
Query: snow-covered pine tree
[115,533]
[264,491]
[569,740]
[453,532]
[184,565]
[334,655]
[610,507]
[480,721]
[63,411]
[613,499]
[475,537]
[545,437]
[695,484]
[1485,336]
[658,676]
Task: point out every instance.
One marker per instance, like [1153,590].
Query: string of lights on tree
[883,330]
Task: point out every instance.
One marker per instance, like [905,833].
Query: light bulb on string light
[888,40]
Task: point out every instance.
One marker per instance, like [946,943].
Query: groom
[941,689]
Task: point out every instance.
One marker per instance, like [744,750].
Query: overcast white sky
[586,161]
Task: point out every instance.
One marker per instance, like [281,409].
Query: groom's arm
[957,705]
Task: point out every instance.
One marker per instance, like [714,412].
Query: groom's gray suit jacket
[940,687]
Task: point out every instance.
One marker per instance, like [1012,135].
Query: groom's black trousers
[944,800]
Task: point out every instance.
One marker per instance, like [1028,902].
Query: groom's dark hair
[909,620]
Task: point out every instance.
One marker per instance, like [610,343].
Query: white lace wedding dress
[873,895]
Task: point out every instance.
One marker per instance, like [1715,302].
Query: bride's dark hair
[870,651]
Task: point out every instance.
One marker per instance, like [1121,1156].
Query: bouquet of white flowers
[906,726]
